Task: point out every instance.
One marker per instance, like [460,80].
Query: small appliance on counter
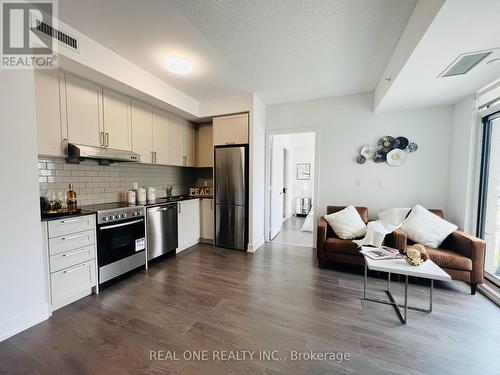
[151,194]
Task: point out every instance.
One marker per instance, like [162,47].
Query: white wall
[347,123]
[257,173]
[462,163]
[22,291]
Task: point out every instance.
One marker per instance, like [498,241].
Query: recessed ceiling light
[493,61]
[178,65]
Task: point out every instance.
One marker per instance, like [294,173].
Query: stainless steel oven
[121,241]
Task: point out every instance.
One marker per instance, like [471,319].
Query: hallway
[291,233]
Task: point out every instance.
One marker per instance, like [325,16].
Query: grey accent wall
[94,183]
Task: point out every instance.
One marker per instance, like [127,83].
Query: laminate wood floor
[291,234]
[211,299]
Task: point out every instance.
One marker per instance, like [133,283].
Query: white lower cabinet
[71,254]
[188,223]
[207,220]
[72,283]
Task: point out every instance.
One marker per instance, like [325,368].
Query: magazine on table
[376,253]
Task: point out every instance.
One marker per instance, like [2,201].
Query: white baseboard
[252,248]
[24,320]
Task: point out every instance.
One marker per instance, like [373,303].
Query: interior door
[276,186]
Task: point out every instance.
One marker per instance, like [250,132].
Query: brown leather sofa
[461,255]
[331,248]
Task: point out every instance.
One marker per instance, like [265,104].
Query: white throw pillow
[426,228]
[394,216]
[347,224]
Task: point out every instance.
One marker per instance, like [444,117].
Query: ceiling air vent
[48,30]
[464,63]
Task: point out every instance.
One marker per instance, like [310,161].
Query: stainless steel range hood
[76,153]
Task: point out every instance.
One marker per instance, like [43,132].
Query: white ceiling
[287,50]
[460,26]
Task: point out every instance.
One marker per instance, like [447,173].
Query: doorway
[291,181]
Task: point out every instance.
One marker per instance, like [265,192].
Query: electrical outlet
[380,183]
[357,183]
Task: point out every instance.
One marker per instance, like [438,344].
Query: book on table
[379,253]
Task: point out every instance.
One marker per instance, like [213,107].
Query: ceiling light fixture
[178,65]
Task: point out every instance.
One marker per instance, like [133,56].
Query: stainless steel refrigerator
[231,197]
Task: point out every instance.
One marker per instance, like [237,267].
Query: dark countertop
[159,201]
[64,216]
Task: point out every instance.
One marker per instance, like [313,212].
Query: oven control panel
[113,216]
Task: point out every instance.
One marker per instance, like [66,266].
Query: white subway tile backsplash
[101,184]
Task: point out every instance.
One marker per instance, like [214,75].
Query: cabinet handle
[179,209]
[70,221]
[74,253]
[155,158]
[107,139]
[73,237]
[101,139]
[184,160]
[152,157]
[230,143]
[75,269]
[211,204]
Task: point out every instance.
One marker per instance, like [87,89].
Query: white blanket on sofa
[388,222]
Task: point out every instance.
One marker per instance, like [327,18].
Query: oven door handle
[121,225]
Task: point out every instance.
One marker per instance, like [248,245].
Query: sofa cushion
[347,223]
[449,259]
[337,245]
[423,226]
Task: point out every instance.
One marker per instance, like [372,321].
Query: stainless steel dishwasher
[161,230]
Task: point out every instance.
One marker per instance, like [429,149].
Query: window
[489,196]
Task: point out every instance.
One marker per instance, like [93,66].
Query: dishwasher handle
[162,208]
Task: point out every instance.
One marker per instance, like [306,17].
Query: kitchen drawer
[71,258]
[71,242]
[72,283]
[71,225]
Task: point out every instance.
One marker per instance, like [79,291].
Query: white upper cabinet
[189,144]
[161,136]
[50,98]
[142,130]
[204,146]
[84,112]
[117,127]
[229,130]
[176,140]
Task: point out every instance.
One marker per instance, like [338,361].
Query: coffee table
[427,270]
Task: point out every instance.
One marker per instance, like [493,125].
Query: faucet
[170,188]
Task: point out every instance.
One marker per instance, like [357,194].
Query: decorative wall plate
[361,159]
[386,142]
[396,157]
[380,156]
[401,143]
[412,147]
[368,151]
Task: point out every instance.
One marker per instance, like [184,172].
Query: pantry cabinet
[161,137]
[117,126]
[188,223]
[204,146]
[228,130]
[50,94]
[189,144]
[142,130]
[207,220]
[176,140]
[84,112]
